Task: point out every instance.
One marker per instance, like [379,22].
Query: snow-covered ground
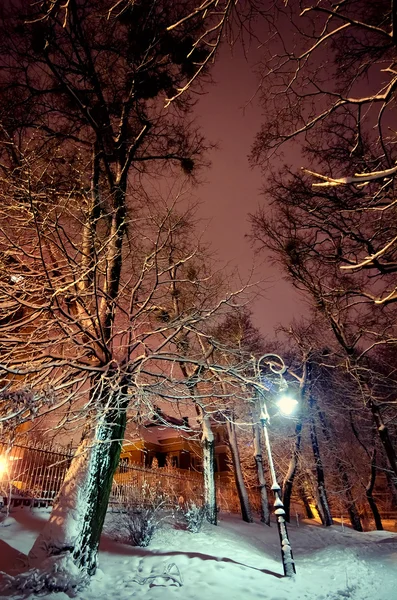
[233,561]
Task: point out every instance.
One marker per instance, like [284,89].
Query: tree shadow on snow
[390,540]
[109,545]
[29,520]
[217,559]
[11,560]
[112,546]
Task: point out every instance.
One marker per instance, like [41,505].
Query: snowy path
[231,562]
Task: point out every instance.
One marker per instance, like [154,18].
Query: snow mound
[54,575]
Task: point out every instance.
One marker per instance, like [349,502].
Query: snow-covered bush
[141,524]
[139,520]
[194,516]
[54,575]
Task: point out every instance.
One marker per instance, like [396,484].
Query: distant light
[287,404]
[16,278]
[3,465]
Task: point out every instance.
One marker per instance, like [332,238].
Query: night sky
[232,190]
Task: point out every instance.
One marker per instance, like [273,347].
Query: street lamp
[286,404]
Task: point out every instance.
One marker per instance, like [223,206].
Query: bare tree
[240,342]
[305,232]
[317,92]
[85,258]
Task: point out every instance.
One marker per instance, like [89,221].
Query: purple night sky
[232,188]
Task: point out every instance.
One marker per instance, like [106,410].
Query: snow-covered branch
[360,179]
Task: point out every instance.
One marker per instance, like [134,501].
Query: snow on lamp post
[286,404]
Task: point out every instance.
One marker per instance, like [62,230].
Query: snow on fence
[34,474]
[176,486]
[131,482]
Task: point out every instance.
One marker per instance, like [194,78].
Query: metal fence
[133,484]
[33,474]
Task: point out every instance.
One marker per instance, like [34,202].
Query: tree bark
[325,512]
[387,444]
[292,467]
[246,512]
[369,493]
[372,477]
[351,506]
[390,484]
[265,511]
[303,496]
[75,525]
[208,446]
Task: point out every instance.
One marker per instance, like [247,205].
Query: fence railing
[131,484]
[34,474]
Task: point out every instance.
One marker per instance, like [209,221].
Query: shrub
[194,516]
[141,524]
[143,518]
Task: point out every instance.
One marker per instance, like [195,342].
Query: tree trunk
[351,506]
[265,512]
[292,467]
[390,478]
[208,446]
[369,493]
[238,475]
[387,444]
[303,496]
[372,477]
[324,511]
[75,525]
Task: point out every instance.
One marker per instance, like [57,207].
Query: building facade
[170,441]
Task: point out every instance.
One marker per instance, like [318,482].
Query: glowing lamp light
[287,404]
[3,465]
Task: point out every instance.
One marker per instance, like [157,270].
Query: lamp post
[286,551]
